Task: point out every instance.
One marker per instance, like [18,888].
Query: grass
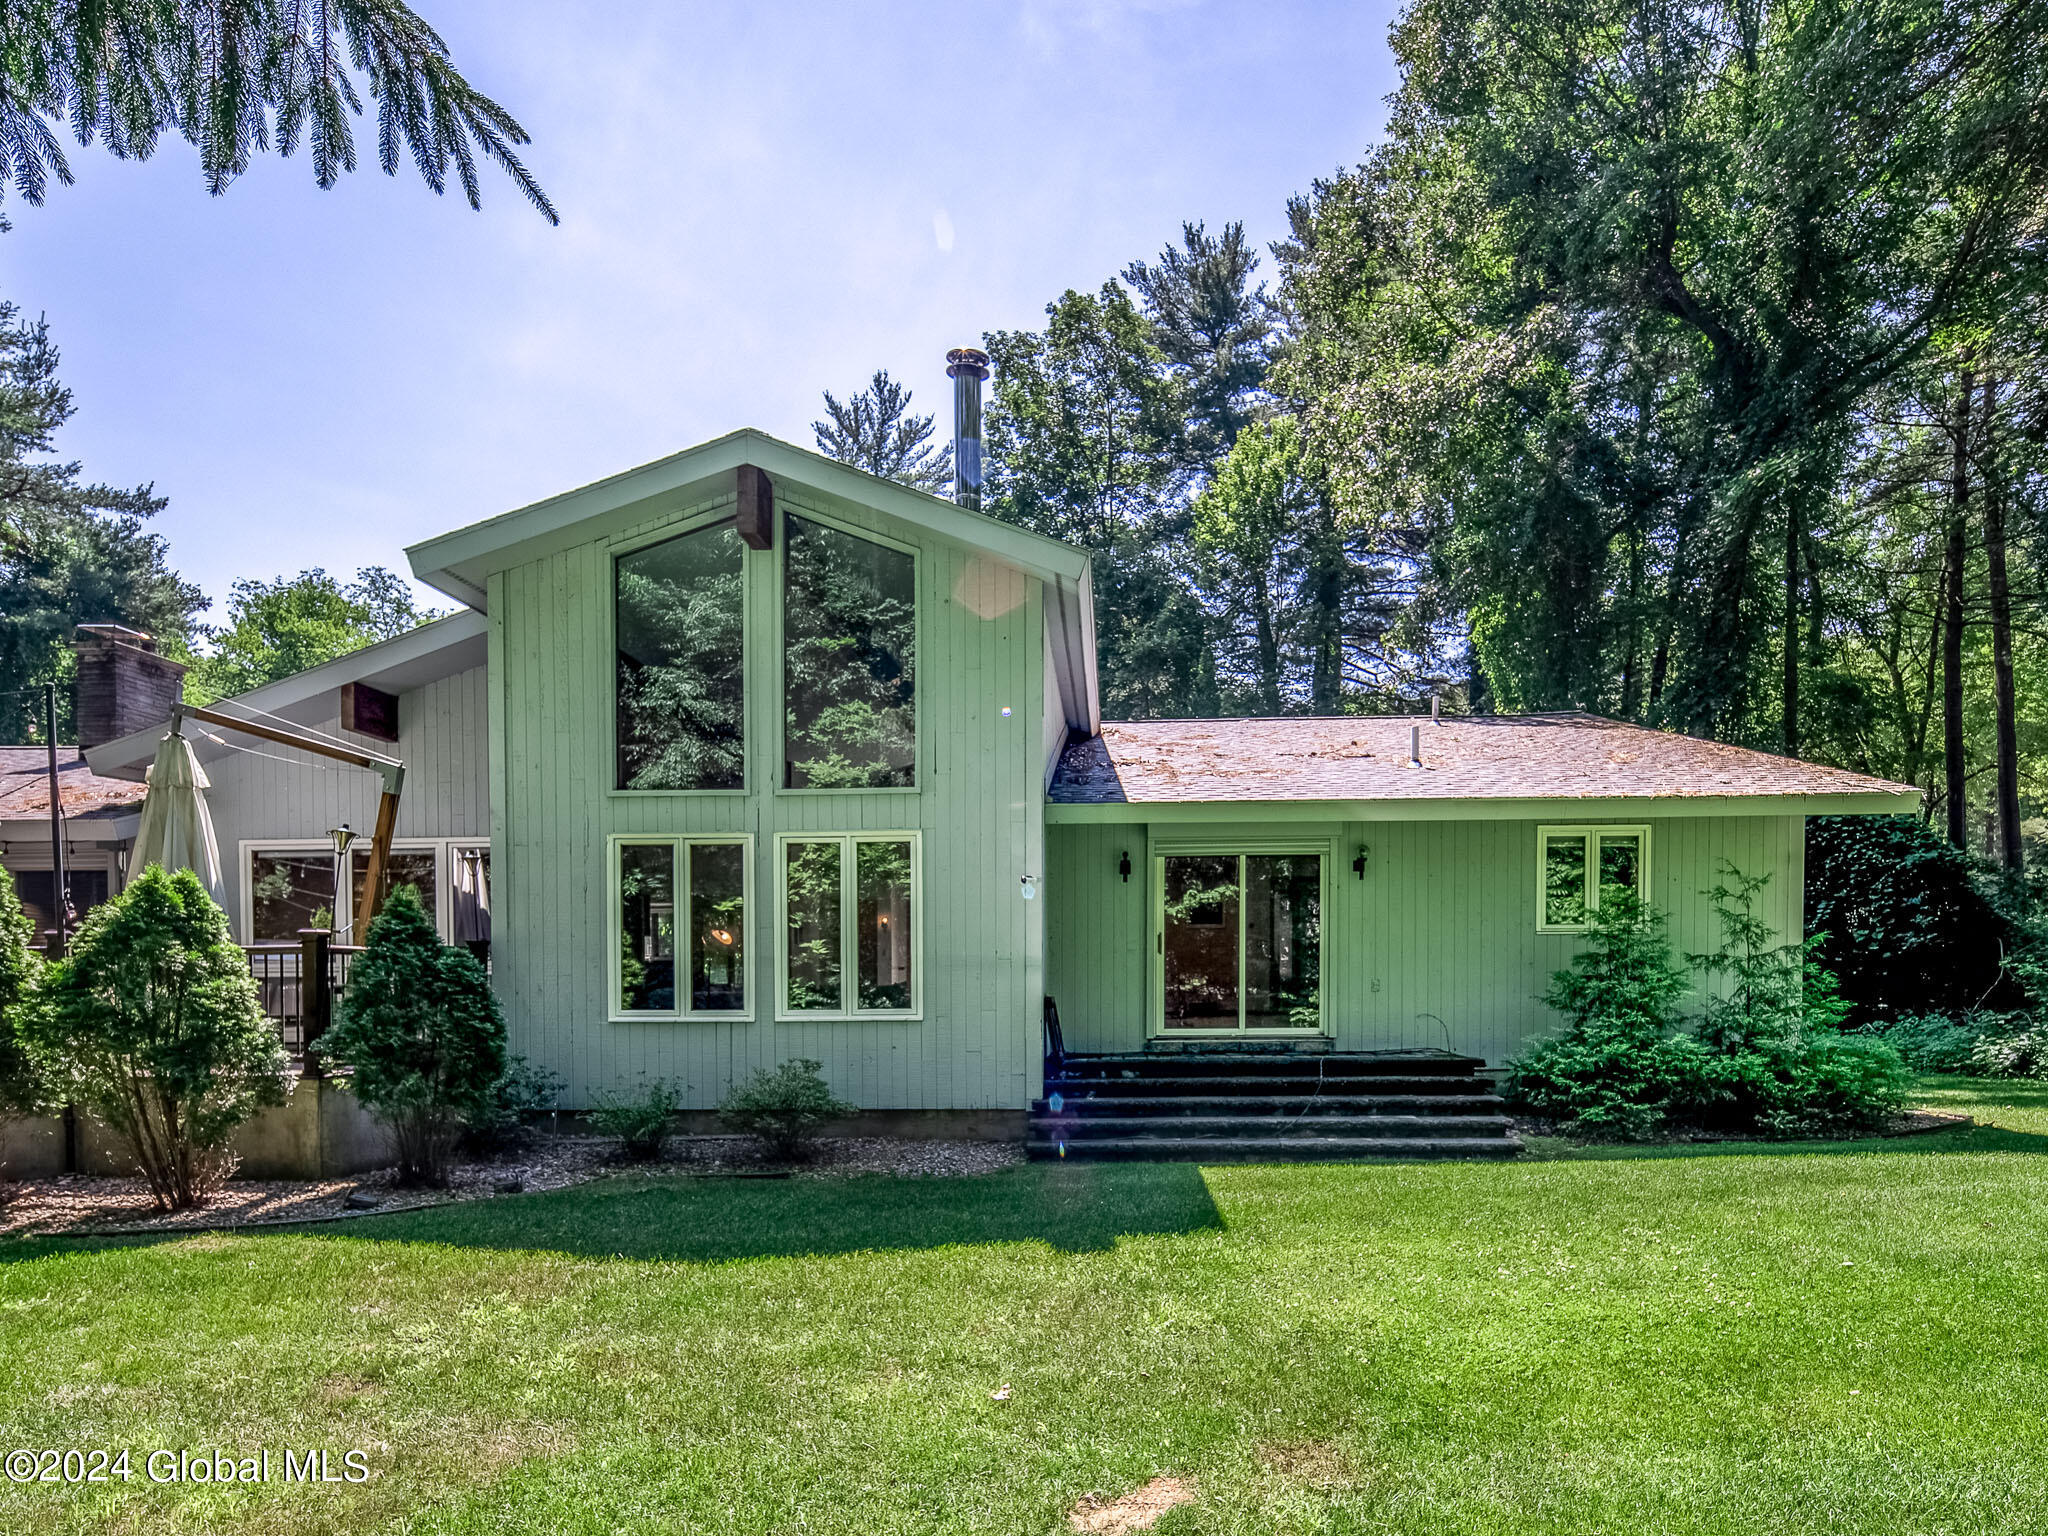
[1831,1339]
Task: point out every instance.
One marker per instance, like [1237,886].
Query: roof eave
[460,562]
[1490,808]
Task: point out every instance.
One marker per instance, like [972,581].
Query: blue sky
[759,201]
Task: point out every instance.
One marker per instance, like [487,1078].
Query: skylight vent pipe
[967,367]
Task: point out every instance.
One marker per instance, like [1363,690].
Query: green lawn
[1832,1339]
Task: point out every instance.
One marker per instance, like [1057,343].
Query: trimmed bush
[784,1108]
[421,1035]
[20,1082]
[152,1022]
[641,1119]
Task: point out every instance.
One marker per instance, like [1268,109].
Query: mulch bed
[79,1205]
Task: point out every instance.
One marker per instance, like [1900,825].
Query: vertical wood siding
[278,792]
[1442,928]
[979,805]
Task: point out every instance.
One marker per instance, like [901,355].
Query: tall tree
[875,430]
[71,551]
[1675,247]
[1215,327]
[243,79]
[1082,429]
[278,628]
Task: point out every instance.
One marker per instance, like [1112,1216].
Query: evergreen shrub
[152,1022]
[421,1035]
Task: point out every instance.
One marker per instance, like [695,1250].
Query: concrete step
[1092,1128]
[1265,1106]
[1168,1086]
[1304,1149]
[1278,1064]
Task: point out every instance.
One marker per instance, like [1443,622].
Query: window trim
[849,904]
[1590,834]
[615,928]
[695,520]
[778,770]
[1163,848]
[249,847]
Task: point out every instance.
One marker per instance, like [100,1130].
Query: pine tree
[874,430]
[241,80]
[19,1081]
[1213,326]
[71,552]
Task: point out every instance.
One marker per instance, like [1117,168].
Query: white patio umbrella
[176,830]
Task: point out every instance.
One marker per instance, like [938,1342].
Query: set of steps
[1256,1106]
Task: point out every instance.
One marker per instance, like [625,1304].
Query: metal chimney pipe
[1414,746]
[967,367]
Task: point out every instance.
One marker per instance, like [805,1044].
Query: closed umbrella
[176,830]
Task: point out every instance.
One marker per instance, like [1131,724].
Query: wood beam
[380,856]
[369,711]
[290,738]
[755,515]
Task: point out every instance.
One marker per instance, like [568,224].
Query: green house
[785,760]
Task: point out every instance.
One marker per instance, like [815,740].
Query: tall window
[849,635]
[681,682]
[681,932]
[1241,941]
[1579,867]
[849,926]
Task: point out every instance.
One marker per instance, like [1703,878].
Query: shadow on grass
[1073,1207]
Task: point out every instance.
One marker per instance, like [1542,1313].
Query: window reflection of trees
[849,656]
[681,688]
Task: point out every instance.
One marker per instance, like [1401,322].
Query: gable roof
[1502,759]
[460,563]
[437,649]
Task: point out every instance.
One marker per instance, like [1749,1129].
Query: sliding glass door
[1240,940]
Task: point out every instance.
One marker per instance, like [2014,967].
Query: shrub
[421,1034]
[1608,1075]
[2010,1045]
[641,1120]
[152,1022]
[20,1083]
[500,1119]
[784,1108]
[1768,1057]
[1934,1042]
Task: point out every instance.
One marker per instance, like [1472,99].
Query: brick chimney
[123,684]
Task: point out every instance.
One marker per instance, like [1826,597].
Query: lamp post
[342,836]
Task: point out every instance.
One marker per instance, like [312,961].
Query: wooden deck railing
[298,984]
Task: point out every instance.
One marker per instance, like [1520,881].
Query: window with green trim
[849,651]
[1578,867]
[850,942]
[679,613]
[680,927]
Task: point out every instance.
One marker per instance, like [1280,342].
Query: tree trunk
[1326,595]
[1792,628]
[2009,849]
[1952,620]
[1269,645]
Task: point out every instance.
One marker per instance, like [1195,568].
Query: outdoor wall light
[1123,866]
[1030,885]
[1358,864]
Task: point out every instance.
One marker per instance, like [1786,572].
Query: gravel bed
[78,1204]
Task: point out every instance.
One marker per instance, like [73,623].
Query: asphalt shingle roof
[25,786]
[1365,757]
